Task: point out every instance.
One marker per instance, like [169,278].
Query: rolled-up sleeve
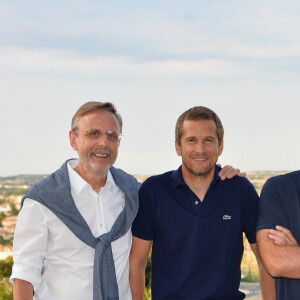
[30,242]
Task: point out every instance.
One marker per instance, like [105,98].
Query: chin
[202,172]
[99,170]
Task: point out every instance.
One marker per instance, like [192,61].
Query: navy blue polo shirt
[197,246]
[280,205]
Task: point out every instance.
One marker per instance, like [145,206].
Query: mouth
[200,159]
[101,154]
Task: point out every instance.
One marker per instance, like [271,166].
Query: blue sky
[153,60]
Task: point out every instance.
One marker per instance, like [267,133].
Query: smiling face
[199,148]
[96,141]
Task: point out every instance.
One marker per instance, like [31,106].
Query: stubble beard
[93,167]
[199,173]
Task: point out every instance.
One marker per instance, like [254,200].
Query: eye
[111,135]
[93,134]
[209,140]
[191,140]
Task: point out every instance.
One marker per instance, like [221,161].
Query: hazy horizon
[248,172]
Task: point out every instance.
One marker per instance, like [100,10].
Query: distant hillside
[20,184]
[17,185]
[258,178]
[21,179]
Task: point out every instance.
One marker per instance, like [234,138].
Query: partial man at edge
[278,233]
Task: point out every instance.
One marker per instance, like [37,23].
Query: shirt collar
[177,178]
[78,183]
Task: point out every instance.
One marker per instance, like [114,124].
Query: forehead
[99,119]
[199,128]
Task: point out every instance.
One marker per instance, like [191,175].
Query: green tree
[5,290]
[5,268]
[14,210]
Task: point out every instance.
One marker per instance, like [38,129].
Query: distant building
[8,229]
[9,223]
[17,202]
[5,252]
[6,234]
[5,208]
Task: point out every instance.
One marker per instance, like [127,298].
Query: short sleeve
[250,212]
[143,225]
[270,206]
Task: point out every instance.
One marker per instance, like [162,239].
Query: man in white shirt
[51,261]
[72,239]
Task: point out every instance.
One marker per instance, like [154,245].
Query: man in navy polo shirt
[193,220]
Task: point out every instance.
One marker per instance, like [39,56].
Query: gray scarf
[54,192]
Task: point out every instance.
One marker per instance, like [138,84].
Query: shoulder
[281,187]
[32,208]
[238,183]
[288,178]
[241,190]
[157,180]
[120,174]
[282,182]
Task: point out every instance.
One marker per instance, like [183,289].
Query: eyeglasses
[95,134]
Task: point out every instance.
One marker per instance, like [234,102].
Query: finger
[279,243]
[225,172]
[277,240]
[281,237]
[242,174]
[233,173]
[283,229]
[286,231]
[228,175]
[289,236]
[277,233]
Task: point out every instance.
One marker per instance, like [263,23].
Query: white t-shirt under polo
[57,263]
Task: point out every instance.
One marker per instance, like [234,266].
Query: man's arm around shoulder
[22,290]
[138,260]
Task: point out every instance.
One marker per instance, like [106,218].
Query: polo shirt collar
[78,183]
[177,178]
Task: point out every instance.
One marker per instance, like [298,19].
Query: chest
[99,210]
[183,217]
[65,248]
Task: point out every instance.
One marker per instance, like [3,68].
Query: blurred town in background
[13,188]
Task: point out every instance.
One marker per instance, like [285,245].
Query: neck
[197,183]
[95,180]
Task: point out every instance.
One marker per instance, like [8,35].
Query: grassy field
[249,267]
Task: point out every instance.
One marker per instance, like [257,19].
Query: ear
[73,140]
[178,149]
[220,149]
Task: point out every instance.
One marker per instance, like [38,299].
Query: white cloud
[153,59]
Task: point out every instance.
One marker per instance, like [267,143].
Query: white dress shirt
[57,263]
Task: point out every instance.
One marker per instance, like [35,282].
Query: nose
[200,147]
[102,140]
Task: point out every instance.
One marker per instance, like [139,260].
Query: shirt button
[101,225]
[196,202]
